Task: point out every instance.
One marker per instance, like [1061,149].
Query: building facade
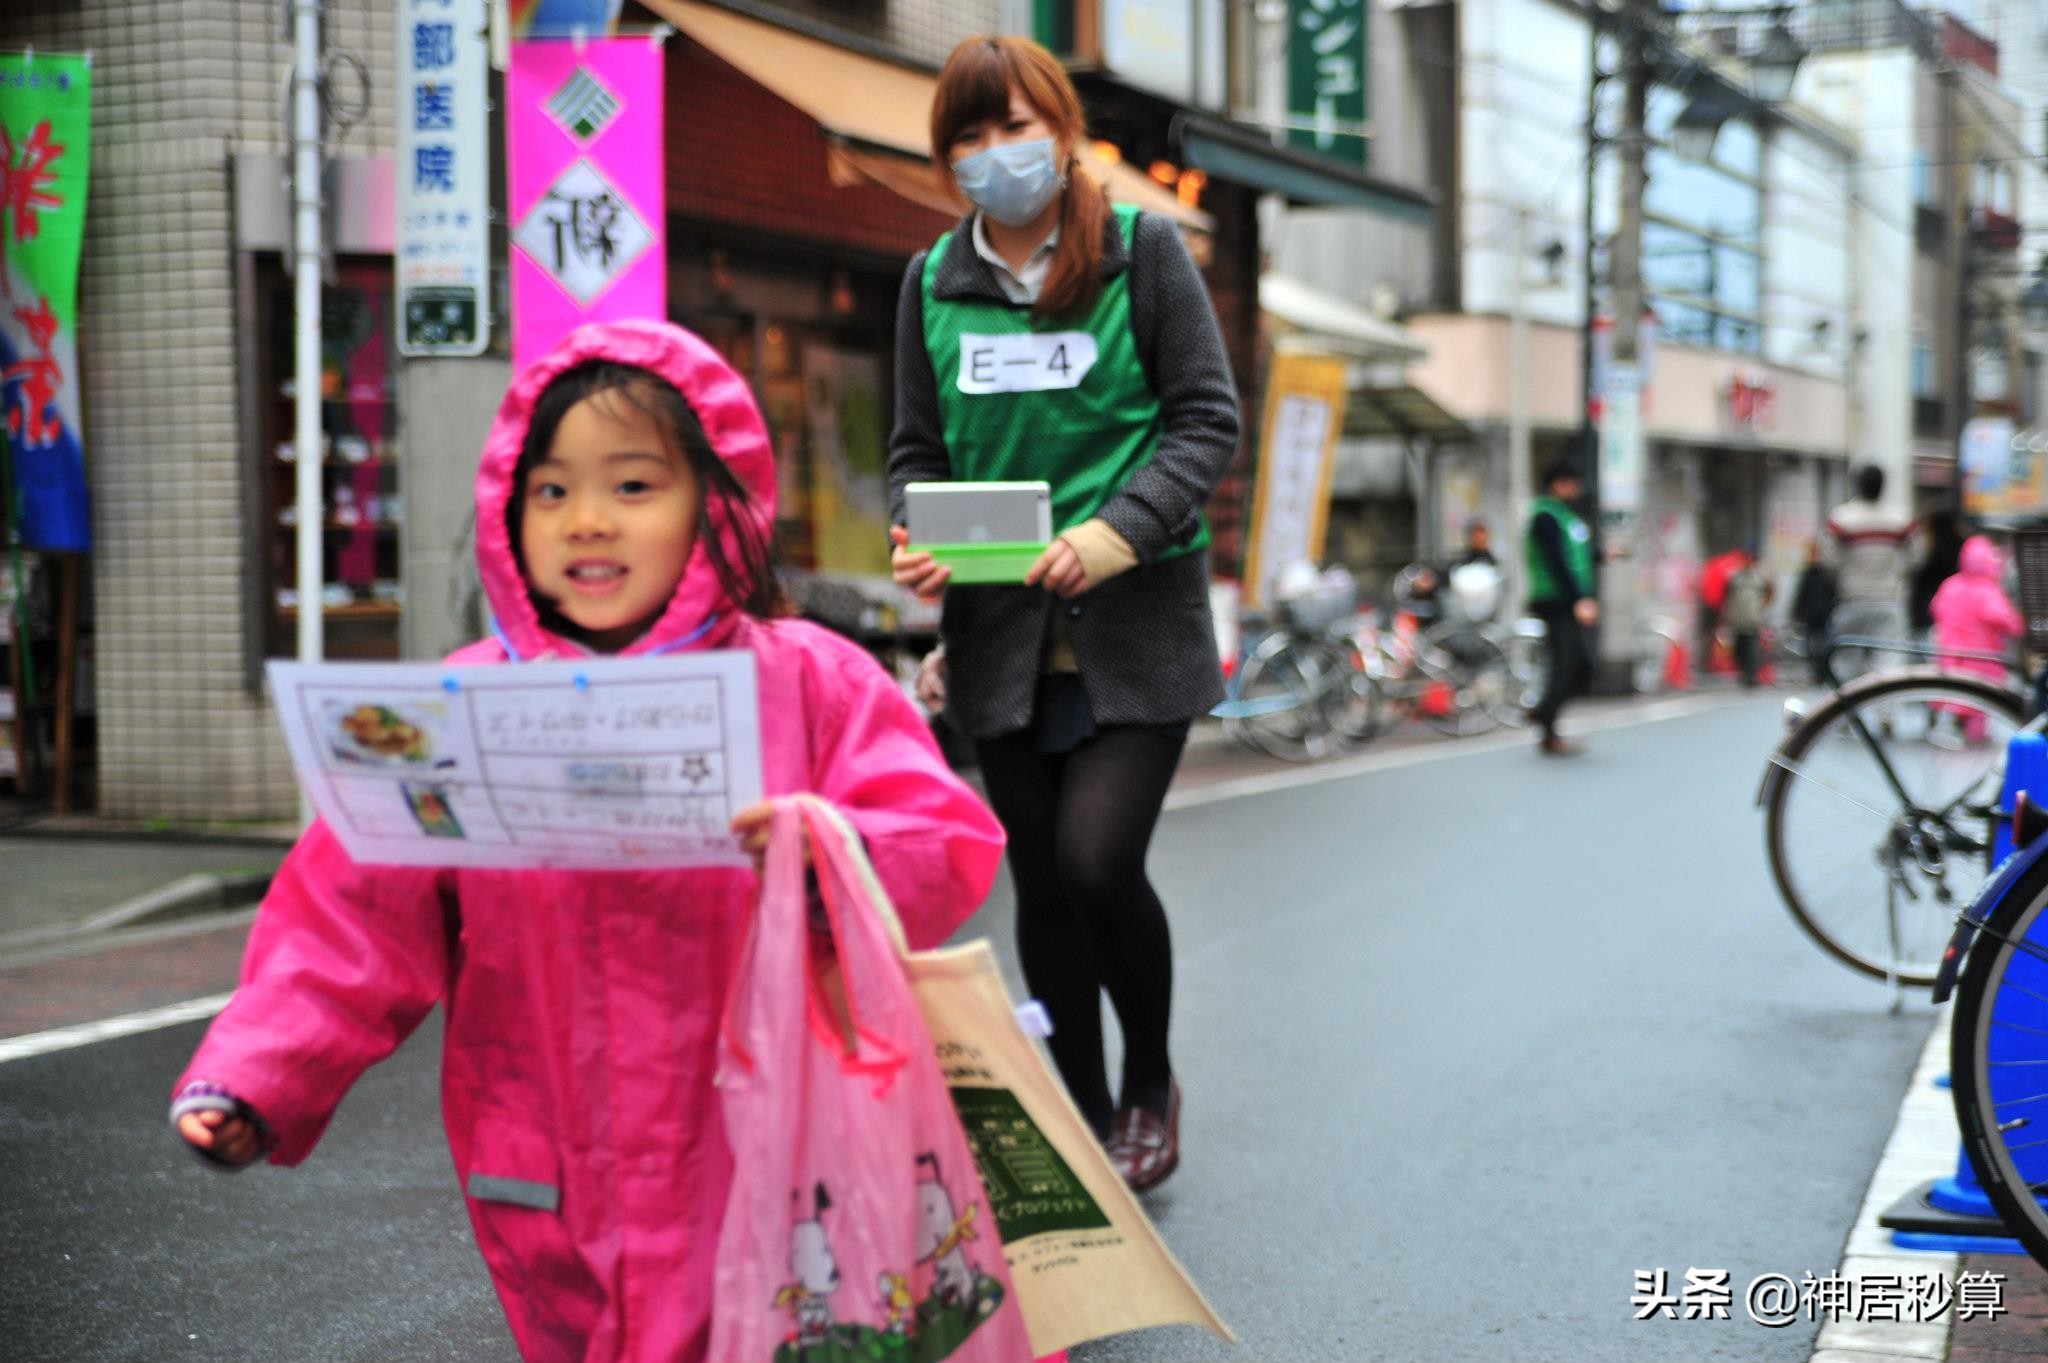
[798,190]
[1748,334]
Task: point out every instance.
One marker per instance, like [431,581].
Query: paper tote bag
[1085,1258]
[857,1228]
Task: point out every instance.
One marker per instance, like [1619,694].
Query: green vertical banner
[45,149]
[1327,44]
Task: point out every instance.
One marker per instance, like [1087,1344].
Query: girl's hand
[224,1136]
[751,827]
[1059,570]
[931,680]
[915,571]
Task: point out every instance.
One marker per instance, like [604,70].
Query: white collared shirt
[1019,286]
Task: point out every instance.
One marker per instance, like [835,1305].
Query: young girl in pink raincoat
[1972,614]
[624,506]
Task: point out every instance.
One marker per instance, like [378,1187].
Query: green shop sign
[1327,43]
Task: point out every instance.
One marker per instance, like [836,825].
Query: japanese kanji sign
[444,178]
[1327,42]
[586,201]
[1297,459]
[45,151]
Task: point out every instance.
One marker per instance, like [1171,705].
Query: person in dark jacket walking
[1561,584]
[1813,604]
[1078,686]
[1943,560]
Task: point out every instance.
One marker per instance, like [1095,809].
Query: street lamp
[1775,64]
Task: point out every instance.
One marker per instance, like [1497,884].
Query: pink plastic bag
[857,1227]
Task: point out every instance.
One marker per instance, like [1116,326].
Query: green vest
[1578,554]
[1064,400]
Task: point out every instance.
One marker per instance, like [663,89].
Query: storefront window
[1704,198]
[1705,293]
[361,506]
[1702,235]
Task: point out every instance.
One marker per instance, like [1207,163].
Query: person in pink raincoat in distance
[624,506]
[1973,615]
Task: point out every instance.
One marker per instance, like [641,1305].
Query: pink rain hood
[1971,611]
[582,1008]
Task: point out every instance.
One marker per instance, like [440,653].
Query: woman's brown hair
[974,88]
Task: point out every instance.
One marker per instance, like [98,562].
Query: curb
[84,828]
[187,897]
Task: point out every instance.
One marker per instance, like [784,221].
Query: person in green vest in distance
[1054,336]
[1559,550]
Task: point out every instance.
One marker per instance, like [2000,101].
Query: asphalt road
[1464,1045]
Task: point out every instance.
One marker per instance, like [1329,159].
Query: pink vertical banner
[585,192]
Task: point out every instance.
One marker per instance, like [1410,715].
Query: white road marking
[106,1029]
[1242,787]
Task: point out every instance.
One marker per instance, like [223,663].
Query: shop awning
[853,96]
[1402,411]
[875,114]
[1244,156]
[1332,324]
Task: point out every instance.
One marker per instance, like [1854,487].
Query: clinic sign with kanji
[444,178]
[1327,43]
[45,149]
[583,127]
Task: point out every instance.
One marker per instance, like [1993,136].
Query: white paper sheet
[608,763]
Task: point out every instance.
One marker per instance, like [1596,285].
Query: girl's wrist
[205,1096]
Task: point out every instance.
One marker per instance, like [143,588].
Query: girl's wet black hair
[752,581]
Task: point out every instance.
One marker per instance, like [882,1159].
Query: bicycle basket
[1313,612]
[2030,552]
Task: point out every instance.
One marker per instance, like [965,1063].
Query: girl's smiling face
[609,519]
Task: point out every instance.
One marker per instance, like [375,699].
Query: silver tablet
[979,513]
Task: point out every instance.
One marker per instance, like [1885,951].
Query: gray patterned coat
[1143,640]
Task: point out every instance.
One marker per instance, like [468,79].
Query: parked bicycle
[1879,806]
[1996,966]
[1297,689]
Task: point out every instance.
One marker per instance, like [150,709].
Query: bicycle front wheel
[1479,687]
[1879,818]
[1293,691]
[1998,1058]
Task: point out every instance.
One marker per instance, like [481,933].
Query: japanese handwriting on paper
[433,46]
[39,377]
[25,180]
[584,225]
[433,168]
[433,108]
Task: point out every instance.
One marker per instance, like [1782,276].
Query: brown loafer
[1145,1147]
[1553,746]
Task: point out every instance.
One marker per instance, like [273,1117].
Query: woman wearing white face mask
[1051,336]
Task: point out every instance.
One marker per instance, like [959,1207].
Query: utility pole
[1519,442]
[1625,254]
[306,444]
[1620,456]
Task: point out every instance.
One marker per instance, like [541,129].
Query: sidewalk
[50,885]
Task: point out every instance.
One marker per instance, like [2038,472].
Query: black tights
[1088,920]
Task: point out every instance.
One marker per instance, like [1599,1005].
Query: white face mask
[1011,183]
